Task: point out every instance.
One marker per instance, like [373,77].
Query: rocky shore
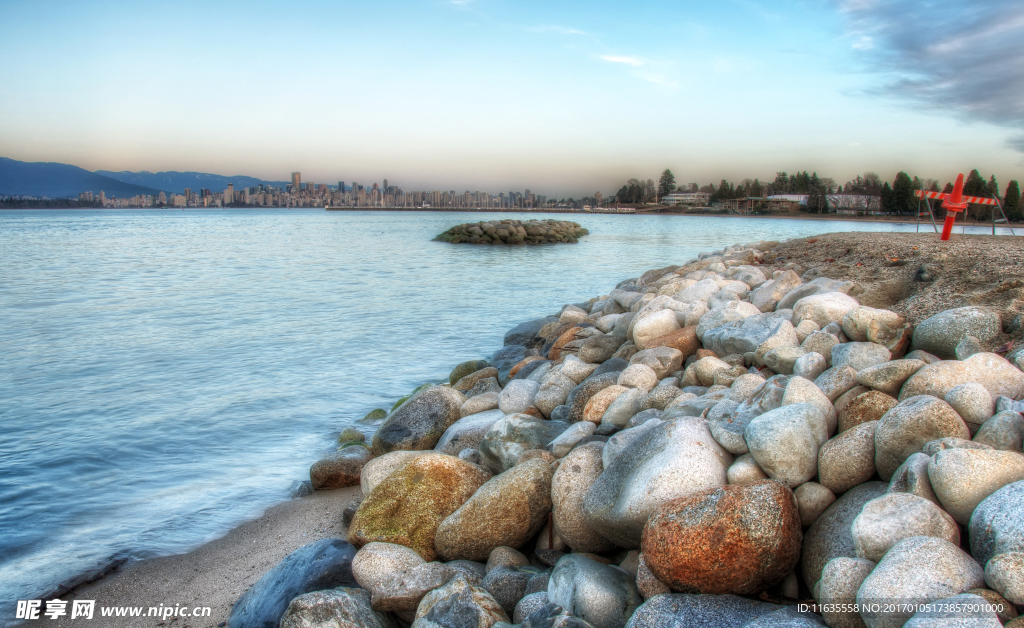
[727,443]
[515,232]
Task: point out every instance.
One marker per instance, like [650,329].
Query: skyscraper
[341,186]
[229,194]
[296,182]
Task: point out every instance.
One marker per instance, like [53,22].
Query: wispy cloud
[558,30]
[633,61]
[964,58]
[461,2]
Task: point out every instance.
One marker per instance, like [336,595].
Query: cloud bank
[965,58]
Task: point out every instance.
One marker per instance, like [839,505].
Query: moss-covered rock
[548,231]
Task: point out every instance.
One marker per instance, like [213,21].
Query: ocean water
[166,375]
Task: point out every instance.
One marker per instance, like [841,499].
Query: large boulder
[340,468]
[376,562]
[458,604]
[507,510]
[915,571]
[993,372]
[526,334]
[767,297]
[890,518]
[818,285]
[325,564]
[467,432]
[686,610]
[963,478]
[823,309]
[517,396]
[673,459]
[381,467]
[602,595]
[837,591]
[514,435]
[407,506]
[755,334]
[419,422]
[859,355]
[662,360]
[785,442]
[848,460]
[940,334]
[733,539]
[344,607]
[906,428]
[830,537]
[997,525]
[569,486]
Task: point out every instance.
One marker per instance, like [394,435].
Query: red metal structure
[955,202]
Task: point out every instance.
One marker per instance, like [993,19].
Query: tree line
[894,198]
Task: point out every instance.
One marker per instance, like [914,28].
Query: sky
[565,98]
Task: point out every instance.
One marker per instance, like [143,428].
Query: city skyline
[481,94]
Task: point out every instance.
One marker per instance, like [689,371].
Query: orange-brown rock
[705,353]
[524,362]
[864,408]
[408,505]
[599,403]
[534,412]
[685,340]
[567,336]
[733,539]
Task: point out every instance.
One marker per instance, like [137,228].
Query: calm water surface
[165,375]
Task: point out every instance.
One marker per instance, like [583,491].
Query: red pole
[953,203]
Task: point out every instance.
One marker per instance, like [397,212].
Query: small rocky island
[515,232]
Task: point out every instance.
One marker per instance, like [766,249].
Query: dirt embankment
[917,274]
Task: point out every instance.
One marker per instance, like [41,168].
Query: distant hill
[177,181]
[60,181]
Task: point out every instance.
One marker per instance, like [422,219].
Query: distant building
[229,194]
[296,182]
[699,199]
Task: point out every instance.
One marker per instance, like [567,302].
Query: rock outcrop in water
[698,432]
[515,232]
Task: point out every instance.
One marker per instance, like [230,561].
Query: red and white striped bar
[977,200]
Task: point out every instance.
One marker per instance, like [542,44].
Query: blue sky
[562,97]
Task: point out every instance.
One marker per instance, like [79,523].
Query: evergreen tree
[902,195]
[1011,201]
[755,189]
[992,189]
[886,197]
[622,196]
[667,183]
[974,184]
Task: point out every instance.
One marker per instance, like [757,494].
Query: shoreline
[218,572]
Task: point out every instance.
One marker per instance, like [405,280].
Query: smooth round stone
[837,590]
[638,376]
[517,396]
[1004,609]
[569,486]
[917,570]
[745,471]
[924,356]
[997,525]
[382,466]
[800,390]
[963,478]
[968,347]
[829,537]
[734,539]
[820,342]
[576,369]
[783,359]
[347,607]
[941,444]
[812,499]
[911,424]
[859,355]
[625,407]
[806,328]
[602,595]
[809,365]
[848,459]
[1004,431]
[339,468]
[374,562]
[530,603]
[860,321]
[890,376]
[479,404]
[785,442]
[479,368]
[823,309]
[941,333]
[660,397]
[598,349]
[554,390]
[864,408]
[662,360]
[912,477]
[467,432]
[993,372]
[652,326]
[507,585]
[973,403]
[744,386]
[1005,574]
[684,340]
[647,583]
[844,399]
[564,442]
[887,520]
[458,598]
[419,422]
[514,435]
[836,381]
[705,369]
[600,402]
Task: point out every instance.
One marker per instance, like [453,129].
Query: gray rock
[552,616]
[783,359]
[820,285]
[525,334]
[966,610]
[837,381]
[531,603]
[924,356]
[812,499]
[674,459]
[848,459]
[912,477]
[967,347]
[785,442]
[800,390]
[400,592]
[997,525]
[830,537]
[662,360]
[467,432]
[621,440]
[568,439]
[824,309]
[685,610]
[973,403]
[963,478]
[598,349]
[728,428]
[837,590]
[573,478]
[906,428]
[889,377]
[533,371]
[602,595]
[809,365]
[917,570]
[480,403]
[820,342]
[988,369]
[1005,574]
[375,562]
[624,408]
[581,394]
[890,518]
[941,333]
[340,468]
[745,471]
[507,585]
[343,607]
[483,386]
[325,564]
[419,422]
[514,435]
[506,358]
[458,604]
[660,397]
[504,557]
[757,334]
[859,355]
[518,396]
[1004,431]
[767,296]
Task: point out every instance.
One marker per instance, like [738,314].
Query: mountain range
[56,180]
